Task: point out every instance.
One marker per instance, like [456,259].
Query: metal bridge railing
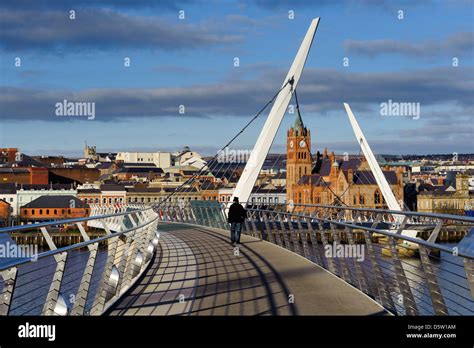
[84,278]
[367,248]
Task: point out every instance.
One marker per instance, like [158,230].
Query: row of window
[130,200]
[55,211]
[356,199]
[302,155]
[264,200]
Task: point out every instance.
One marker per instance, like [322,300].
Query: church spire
[298,124]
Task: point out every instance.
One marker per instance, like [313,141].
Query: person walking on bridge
[236,217]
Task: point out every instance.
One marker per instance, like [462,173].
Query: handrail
[77,245]
[67,221]
[126,260]
[374,230]
[375,210]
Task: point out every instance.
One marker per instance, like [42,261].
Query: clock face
[302,143]
[291,143]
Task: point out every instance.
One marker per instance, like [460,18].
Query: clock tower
[298,155]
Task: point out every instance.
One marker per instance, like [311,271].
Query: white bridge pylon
[265,140]
[382,183]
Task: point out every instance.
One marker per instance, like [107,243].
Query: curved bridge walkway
[198,272]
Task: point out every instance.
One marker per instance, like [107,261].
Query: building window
[361,199]
[85,200]
[32,212]
[69,211]
[41,211]
[55,212]
[97,200]
[377,198]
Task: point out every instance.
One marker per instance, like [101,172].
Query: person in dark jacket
[236,217]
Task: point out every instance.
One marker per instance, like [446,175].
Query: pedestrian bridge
[178,260]
[198,272]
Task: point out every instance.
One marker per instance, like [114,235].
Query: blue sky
[190,62]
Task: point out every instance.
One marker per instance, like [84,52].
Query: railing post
[342,261]
[436,296]
[324,239]
[209,221]
[267,228]
[361,278]
[9,280]
[272,230]
[49,307]
[469,269]
[384,294]
[314,243]
[407,296]
[125,261]
[278,234]
[81,296]
[292,236]
[106,290]
[253,225]
[297,235]
[285,234]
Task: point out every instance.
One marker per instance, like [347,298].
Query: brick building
[46,208]
[347,180]
[24,175]
[5,212]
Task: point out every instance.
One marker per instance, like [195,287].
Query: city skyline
[191,62]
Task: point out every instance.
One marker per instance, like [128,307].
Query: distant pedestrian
[236,217]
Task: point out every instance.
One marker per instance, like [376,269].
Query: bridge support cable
[214,159]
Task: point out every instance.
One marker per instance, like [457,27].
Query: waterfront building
[447,200]
[47,208]
[19,195]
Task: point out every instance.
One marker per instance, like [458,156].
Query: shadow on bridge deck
[197,273]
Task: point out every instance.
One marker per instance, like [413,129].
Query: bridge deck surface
[198,265]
